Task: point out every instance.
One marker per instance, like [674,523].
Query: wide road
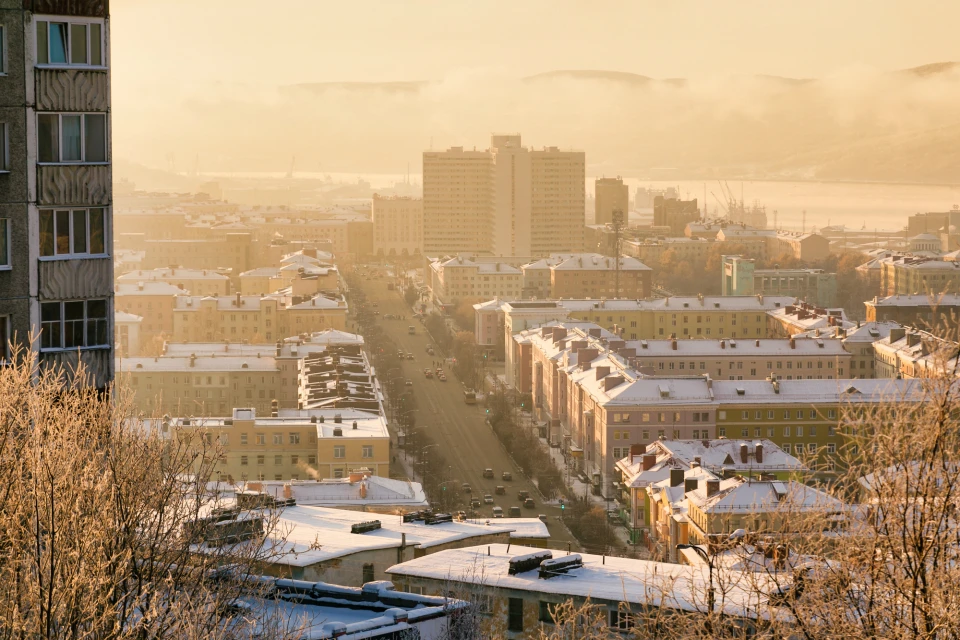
[466,441]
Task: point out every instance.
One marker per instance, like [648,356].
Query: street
[466,441]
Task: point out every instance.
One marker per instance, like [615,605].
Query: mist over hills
[857,124]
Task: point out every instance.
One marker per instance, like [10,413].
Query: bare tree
[98,522]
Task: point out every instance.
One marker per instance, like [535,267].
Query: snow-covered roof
[745,347]
[252,362]
[858,332]
[602,579]
[122,317]
[944,300]
[586,261]
[148,288]
[489,305]
[370,491]
[745,495]
[668,304]
[167,273]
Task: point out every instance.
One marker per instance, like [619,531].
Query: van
[498,512]
[514,512]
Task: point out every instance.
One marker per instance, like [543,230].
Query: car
[542,517]
[465,487]
[529,503]
[426,370]
[430,352]
[515,512]
[506,475]
[442,378]
[522,495]
[408,383]
[429,374]
[487,498]
[501,490]
[613,515]
[475,502]
[429,349]
[488,473]
[388,316]
[498,512]
[409,356]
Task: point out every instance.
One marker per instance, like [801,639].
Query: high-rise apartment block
[508,200]
[611,195]
[56,269]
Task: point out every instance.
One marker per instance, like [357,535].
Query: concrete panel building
[739,277]
[56,237]
[610,195]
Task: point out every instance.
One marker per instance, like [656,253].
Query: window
[278,438]
[261,460]
[786,432]
[786,447]
[312,459]
[4,133]
[243,438]
[338,473]
[74,323]
[72,137]
[799,431]
[722,433]
[277,460]
[261,438]
[339,451]
[622,620]
[546,612]
[70,43]
[831,448]
[70,233]
[515,614]
[811,447]
[367,572]
[294,459]
[4,243]
[368,451]
[243,461]
[294,438]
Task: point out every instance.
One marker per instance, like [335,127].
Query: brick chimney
[758,451]
[602,372]
[744,453]
[637,450]
[690,484]
[713,487]
[676,477]
[648,461]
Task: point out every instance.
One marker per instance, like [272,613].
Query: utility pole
[617,239]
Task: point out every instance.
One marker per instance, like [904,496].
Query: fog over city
[490,320]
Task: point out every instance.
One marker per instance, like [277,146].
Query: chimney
[287,491]
[758,452]
[648,461]
[612,381]
[193,359]
[897,334]
[744,453]
[690,484]
[676,477]
[723,344]
[602,372]
[238,298]
[673,345]
[793,343]
[713,487]
[637,450]
[363,490]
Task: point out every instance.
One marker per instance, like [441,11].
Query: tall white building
[505,201]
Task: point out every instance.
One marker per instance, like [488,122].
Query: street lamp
[423,470]
[737,535]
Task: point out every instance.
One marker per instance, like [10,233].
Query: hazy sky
[287,41]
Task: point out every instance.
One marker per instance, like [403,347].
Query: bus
[470,397]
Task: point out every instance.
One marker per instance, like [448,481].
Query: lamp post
[423,469]
[737,535]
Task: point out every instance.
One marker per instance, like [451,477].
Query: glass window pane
[96,231]
[58,43]
[73,323]
[4,247]
[50,325]
[78,44]
[80,231]
[96,322]
[48,137]
[63,232]
[71,138]
[43,55]
[4,147]
[46,233]
[96,56]
[95,137]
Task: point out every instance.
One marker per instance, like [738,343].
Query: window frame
[70,21]
[83,138]
[63,326]
[71,235]
[4,139]
[7,247]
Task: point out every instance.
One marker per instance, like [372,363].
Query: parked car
[488,473]
[501,490]
[498,512]
[487,498]
[515,512]
[506,475]
[529,503]
[522,495]
[465,487]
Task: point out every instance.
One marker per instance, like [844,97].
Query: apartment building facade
[397,226]
[56,236]
[740,277]
[506,200]
[460,278]
[199,282]
[610,194]
[928,312]
[909,275]
[581,275]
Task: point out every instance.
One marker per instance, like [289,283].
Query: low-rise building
[459,278]
[154,301]
[255,318]
[858,341]
[802,317]
[301,279]
[815,286]
[581,275]
[518,587]
[199,282]
[912,274]
[911,353]
[647,465]
[651,250]
[934,313]
[295,444]
[126,334]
